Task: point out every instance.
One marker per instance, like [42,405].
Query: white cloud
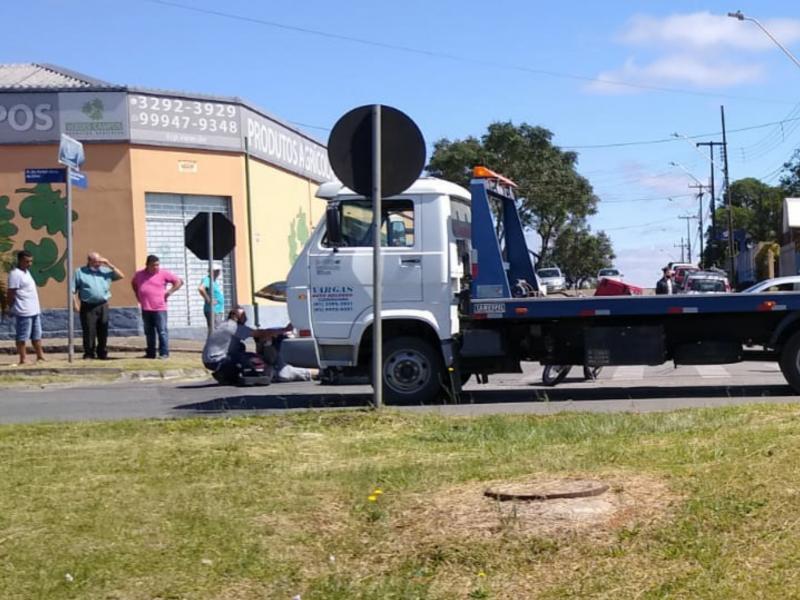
[667,183]
[676,69]
[701,50]
[703,30]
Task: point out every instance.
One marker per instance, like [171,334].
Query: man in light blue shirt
[214,299]
[91,285]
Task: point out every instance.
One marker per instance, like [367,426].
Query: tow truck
[461,300]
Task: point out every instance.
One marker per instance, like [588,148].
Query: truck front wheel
[790,361]
[412,370]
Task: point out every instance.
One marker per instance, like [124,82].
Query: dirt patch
[465,512]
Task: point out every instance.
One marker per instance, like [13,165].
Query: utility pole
[728,201]
[713,204]
[688,237]
[700,190]
[681,246]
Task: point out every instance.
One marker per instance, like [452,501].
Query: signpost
[70,154]
[46,175]
[210,236]
[364,163]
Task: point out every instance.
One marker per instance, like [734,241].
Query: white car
[552,279]
[609,273]
[790,283]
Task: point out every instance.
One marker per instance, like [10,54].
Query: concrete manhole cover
[546,490]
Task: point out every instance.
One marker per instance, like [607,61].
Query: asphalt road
[635,389]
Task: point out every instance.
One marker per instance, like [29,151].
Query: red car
[611,287]
[680,274]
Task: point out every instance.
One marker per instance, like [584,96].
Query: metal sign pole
[70,319]
[211,272]
[377,263]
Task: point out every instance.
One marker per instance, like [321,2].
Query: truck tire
[412,371]
[790,361]
[554,374]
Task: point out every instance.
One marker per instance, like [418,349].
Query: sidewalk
[126,362]
[115,344]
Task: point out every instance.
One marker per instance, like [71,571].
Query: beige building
[154,159]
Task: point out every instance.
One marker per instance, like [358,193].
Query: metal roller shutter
[166,215]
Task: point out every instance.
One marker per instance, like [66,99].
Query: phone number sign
[168,120]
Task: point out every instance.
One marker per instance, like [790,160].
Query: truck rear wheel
[790,361]
[412,370]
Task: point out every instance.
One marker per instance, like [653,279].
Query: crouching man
[224,353]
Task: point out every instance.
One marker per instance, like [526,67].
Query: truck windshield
[397,223]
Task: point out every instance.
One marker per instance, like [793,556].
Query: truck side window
[397,223]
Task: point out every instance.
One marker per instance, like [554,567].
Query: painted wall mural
[298,235]
[44,208]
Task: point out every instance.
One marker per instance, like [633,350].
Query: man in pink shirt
[150,287]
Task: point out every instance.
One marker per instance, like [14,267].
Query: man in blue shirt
[91,285]
[214,299]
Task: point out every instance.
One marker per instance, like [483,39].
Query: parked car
[609,273]
[706,282]
[552,279]
[790,283]
[680,273]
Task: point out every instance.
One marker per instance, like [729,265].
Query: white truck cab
[426,238]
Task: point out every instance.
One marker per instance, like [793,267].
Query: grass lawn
[358,505]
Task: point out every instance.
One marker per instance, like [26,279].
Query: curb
[121,374]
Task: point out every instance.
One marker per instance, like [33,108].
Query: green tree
[581,254]
[757,208]
[790,180]
[551,192]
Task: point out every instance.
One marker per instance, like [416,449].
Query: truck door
[341,281]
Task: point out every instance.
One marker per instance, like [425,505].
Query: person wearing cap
[214,299]
[665,285]
[91,288]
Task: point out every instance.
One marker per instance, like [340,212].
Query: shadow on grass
[274,398]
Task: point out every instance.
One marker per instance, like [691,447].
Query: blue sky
[456,66]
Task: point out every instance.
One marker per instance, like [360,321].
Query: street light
[696,149]
[741,17]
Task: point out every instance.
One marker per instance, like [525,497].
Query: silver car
[552,279]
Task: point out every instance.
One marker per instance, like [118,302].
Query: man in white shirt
[23,299]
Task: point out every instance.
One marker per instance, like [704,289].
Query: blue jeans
[29,328]
[155,322]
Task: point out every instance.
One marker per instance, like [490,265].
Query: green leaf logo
[7,228]
[298,235]
[46,262]
[94,109]
[45,207]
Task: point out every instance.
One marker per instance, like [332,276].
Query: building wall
[284,212]
[104,218]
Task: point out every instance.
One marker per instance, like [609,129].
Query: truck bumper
[300,352]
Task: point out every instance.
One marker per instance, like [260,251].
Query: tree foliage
[790,181]
[581,253]
[553,195]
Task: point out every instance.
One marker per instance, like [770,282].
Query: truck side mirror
[333,225]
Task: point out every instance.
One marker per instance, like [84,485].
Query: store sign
[148,119]
[170,121]
[94,116]
[279,145]
[26,118]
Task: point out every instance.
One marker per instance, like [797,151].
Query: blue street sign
[79,179]
[70,152]
[45,175]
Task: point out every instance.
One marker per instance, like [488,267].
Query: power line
[449,56]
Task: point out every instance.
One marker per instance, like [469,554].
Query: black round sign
[402,150]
